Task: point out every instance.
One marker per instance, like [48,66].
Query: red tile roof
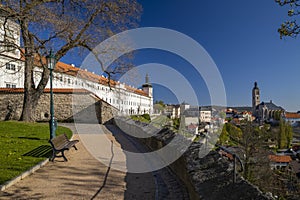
[47,90]
[280,159]
[224,153]
[292,115]
[74,71]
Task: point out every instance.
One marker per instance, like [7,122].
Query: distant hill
[237,108]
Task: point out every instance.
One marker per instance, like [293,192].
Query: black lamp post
[51,61]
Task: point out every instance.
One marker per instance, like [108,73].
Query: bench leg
[53,155]
[75,147]
[63,155]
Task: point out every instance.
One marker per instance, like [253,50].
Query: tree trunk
[31,93]
[28,103]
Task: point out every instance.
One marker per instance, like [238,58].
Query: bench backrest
[59,140]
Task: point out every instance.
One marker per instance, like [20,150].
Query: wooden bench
[60,144]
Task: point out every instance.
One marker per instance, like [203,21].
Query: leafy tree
[176,123]
[224,137]
[234,132]
[289,134]
[285,134]
[281,135]
[61,25]
[147,117]
[290,27]
[230,134]
[277,115]
[160,102]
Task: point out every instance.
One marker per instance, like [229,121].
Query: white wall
[205,116]
[125,100]
[120,97]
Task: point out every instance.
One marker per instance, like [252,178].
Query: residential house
[205,115]
[292,118]
[279,161]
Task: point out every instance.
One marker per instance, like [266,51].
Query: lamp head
[51,60]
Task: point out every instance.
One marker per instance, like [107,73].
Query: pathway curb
[13,181]
[23,175]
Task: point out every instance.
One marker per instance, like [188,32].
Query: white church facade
[127,99]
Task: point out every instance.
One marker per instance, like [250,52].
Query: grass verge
[23,145]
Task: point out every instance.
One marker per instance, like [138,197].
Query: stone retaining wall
[209,177]
[81,107]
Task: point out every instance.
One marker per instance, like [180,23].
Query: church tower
[255,96]
[147,87]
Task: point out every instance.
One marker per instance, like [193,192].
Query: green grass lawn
[23,145]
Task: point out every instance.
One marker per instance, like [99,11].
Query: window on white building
[9,39]
[10,85]
[10,66]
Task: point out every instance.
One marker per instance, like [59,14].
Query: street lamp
[51,61]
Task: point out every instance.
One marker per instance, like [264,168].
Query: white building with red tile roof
[292,118]
[127,99]
[279,161]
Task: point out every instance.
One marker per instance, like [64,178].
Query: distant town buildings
[264,111]
[292,118]
[205,115]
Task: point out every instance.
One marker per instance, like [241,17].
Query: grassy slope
[19,138]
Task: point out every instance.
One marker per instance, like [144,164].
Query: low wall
[143,130]
[209,177]
[82,106]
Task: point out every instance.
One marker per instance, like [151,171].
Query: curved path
[167,185]
[84,177]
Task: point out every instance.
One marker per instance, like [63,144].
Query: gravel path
[84,177]
[79,178]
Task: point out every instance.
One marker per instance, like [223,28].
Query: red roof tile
[280,159]
[74,71]
[292,115]
[47,90]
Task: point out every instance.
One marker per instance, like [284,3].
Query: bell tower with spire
[255,97]
[147,87]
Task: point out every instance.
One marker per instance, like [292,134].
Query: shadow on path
[138,185]
[106,174]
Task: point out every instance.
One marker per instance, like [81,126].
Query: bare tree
[61,25]
[290,27]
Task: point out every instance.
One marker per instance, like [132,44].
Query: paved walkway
[82,177]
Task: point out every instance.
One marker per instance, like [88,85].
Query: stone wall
[209,177]
[78,107]
[11,106]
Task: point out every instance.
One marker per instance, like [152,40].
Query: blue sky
[241,37]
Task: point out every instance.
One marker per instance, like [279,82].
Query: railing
[235,157]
